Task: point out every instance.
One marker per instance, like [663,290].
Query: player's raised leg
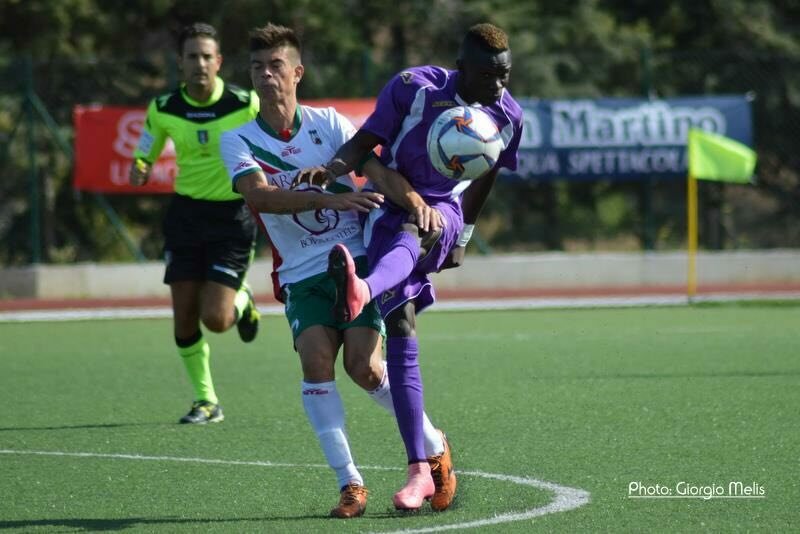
[352,293]
[395,262]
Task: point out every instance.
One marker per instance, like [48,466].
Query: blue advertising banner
[621,138]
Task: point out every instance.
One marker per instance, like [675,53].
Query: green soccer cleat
[203,412]
[247,325]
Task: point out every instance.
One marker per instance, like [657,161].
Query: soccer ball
[464,143]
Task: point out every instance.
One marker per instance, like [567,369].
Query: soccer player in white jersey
[303,223]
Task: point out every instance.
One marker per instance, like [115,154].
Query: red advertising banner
[105,137]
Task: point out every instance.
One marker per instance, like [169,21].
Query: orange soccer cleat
[444,477]
[352,502]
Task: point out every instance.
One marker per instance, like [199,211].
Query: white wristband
[465,235]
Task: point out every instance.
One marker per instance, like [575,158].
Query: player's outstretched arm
[474,197]
[472,202]
[266,198]
[397,188]
[346,159]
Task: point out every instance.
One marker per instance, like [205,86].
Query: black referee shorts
[208,240]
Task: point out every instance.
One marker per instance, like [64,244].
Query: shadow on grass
[70,427]
[100,525]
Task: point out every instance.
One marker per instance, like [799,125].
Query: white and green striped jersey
[300,241]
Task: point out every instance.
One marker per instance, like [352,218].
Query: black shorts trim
[208,240]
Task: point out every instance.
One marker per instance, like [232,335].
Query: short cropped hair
[197,29]
[487,37]
[273,36]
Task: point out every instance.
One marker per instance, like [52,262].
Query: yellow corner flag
[711,157]
[720,158]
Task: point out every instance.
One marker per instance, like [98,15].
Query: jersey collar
[219,87]
[284,135]
[463,102]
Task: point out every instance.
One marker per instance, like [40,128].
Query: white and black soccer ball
[464,143]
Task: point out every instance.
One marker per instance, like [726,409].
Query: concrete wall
[500,271]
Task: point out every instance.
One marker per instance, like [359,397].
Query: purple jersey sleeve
[512,130]
[392,106]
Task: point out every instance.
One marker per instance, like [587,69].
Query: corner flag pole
[691,215]
[711,157]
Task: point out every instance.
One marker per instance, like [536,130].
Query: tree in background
[115,52]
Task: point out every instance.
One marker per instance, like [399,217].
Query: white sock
[325,412]
[382,394]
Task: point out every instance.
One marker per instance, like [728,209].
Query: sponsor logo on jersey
[444,104]
[315,137]
[200,115]
[290,150]
[317,222]
[202,136]
[283,179]
[406,76]
[145,142]
[240,166]
[388,295]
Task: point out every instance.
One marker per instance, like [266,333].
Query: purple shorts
[380,230]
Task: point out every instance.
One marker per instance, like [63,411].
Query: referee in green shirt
[209,232]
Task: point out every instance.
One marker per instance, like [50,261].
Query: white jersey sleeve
[342,130]
[236,156]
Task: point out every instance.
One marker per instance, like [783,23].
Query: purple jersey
[404,111]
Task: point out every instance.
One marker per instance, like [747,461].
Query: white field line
[565,498]
[85,314]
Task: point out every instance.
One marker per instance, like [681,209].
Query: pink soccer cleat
[419,487]
[352,293]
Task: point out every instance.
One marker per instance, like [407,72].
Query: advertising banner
[622,138]
[607,138]
[105,137]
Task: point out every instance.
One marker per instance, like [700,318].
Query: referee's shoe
[247,324]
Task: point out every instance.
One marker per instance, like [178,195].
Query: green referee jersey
[195,128]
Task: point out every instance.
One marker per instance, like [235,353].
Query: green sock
[195,358]
[241,301]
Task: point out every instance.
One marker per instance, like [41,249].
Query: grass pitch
[590,401]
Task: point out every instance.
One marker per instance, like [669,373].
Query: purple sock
[394,266]
[405,382]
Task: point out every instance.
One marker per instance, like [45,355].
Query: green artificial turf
[544,410]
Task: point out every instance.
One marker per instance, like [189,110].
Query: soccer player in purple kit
[400,255]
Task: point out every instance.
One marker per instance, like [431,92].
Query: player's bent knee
[317,367]
[360,371]
[217,322]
